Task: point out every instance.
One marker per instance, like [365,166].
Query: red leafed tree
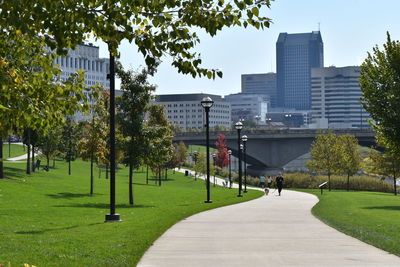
[222,156]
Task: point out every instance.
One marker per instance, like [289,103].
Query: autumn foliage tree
[222,158]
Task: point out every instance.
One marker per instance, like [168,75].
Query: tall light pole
[230,170]
[257,117]
[244,139]
[112,217]
[238,127]
[207,103]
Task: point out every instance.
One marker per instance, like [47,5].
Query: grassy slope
[369,216]
[49,219]
[16,150]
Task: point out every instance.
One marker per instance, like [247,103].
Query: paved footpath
[268,231]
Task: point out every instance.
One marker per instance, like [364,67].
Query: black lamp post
[244,139]
[195,162]
[112,217]
[230,170]
[207,103]
[214,161]
[238,127]
[257,117]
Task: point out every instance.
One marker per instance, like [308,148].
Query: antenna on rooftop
[319,26]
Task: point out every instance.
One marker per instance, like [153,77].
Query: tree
[29,96]
[159,133]
[131,107]
[93,144]
[201,165]
[48,143]
[380,85]
[325,154]
[386,163]
[222,159]
[349,156]
[181,152]
[68,146]
[158,28]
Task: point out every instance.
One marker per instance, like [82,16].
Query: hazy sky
[349,29]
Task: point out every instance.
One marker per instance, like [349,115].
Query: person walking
[269,181]
[279,183]
[262,181]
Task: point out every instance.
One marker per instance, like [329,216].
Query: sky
[349,29]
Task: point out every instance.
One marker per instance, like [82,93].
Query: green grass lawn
[49,219]
[369,216]
[16,150]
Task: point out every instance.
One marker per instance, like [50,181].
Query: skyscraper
[260,84]
[336,95]
[296,54]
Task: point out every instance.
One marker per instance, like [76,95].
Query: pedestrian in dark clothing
[279,183]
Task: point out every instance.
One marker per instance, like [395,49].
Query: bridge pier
[256,171]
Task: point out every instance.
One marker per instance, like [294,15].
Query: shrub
[358,182]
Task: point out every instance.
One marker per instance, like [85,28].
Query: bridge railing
[279,131]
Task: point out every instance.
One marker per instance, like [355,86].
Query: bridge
[269,150]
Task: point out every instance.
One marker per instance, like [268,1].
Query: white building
[85,57]
[335,98]
[186,112]
[252,107]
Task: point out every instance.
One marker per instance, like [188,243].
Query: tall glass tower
[296,54]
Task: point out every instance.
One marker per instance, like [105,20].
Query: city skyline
[349,29]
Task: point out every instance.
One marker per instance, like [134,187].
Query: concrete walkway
[25,156]
[269,231]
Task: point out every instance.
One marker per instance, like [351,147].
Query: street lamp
[112,216]
[214,155]
[230,170]
[195,162]
[238,127]
[207,103]
[244,139]
[257,117]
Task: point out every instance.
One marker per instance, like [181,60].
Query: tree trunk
[69,167]
[159,176]
[28,161]
[147,174]
[348,182]
[91,174]
[1,159]
[130,184]
[9,147]
[395,186]
[33,158]
[329,181]
[166,174]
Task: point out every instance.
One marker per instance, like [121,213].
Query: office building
[260,84]
[296,54]
[185,110]
[248,106]
[335,98]
[291,118]
[85,57]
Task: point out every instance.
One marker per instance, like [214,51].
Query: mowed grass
[369,216]
[15,150]
[49,219]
